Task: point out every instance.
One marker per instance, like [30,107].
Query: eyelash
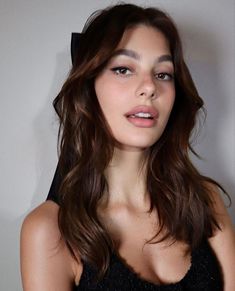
[169,76]
[117,71]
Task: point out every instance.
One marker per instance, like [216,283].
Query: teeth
[142,115]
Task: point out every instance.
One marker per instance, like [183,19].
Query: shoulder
[40,226]
[219,207]
[220,210]
[44,218]
[43,251]
[223,240]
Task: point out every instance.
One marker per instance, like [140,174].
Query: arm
[46,263]
[223,242]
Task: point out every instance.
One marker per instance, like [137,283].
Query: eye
[164,76]
[121,71]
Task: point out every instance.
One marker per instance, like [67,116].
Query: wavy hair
[177,190]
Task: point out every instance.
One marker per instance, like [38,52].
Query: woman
[131,212]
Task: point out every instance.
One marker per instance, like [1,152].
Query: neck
[126,177]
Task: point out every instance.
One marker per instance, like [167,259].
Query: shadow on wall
[9,253]
[204,61]
[46,129]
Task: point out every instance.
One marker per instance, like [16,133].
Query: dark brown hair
[177,190]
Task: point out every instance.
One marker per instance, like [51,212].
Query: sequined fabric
[204,274]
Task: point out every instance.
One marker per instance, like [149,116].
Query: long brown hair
[177,190]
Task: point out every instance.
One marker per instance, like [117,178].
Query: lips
[144,109]
[142,116]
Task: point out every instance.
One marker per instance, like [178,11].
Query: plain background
[34,62]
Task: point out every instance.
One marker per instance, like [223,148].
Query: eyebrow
[136,56]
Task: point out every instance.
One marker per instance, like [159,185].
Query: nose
[147,88]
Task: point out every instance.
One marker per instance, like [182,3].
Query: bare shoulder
[44,253]
[40,226]
[44,218]
[223,241]
[220,209]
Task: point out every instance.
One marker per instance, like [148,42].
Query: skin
[137,79]
[124,214]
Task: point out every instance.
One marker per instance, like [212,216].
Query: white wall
[34,61]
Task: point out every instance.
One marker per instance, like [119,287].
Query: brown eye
[121,71]
[164,76]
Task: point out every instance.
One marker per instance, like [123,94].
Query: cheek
[102,92]
[165,105]
[171,102]
[108,95]
[168,99]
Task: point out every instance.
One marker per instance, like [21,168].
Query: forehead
[144,37]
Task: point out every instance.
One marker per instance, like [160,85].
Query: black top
[203,275]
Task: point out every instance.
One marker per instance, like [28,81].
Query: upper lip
[144,109]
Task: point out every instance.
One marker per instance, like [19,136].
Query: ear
[75,41]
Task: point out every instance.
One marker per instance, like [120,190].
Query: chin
[136,145]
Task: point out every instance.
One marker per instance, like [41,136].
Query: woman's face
[136,89]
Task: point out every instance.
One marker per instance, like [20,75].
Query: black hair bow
[55,185]
[75,41]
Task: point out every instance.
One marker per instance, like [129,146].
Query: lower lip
[141,122]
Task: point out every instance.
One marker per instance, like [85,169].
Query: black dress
[203,275]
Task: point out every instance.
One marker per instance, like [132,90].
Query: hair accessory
[56,182]
[75,40]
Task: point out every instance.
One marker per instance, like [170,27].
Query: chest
[160,263]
